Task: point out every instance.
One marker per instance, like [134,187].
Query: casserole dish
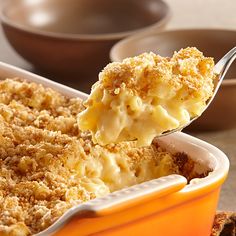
[151,207]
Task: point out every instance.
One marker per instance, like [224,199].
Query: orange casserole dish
[165,206]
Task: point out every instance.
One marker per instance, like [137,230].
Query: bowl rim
[5,20]
[141,35]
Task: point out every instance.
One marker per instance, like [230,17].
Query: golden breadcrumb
[27,104]
[47,165]
[143,74]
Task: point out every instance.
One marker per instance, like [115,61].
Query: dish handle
[120,200]
[132,196]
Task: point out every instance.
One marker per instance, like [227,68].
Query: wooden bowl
[74,37]
[212,42]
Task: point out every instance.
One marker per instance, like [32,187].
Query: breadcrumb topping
[144,73]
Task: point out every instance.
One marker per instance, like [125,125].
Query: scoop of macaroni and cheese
[147,95]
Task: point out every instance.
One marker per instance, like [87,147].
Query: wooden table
[186,14]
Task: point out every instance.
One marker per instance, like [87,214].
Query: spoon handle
[220,68]
[223,65]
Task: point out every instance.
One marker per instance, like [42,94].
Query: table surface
[185,14]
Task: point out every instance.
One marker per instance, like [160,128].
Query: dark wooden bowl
[73,37]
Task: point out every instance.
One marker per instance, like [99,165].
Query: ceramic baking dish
[166,206]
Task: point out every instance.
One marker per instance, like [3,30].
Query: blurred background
[69,41]
[184,14]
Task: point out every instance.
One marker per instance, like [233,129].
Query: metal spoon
[220,70]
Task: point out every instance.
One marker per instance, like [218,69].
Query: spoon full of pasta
[149,96]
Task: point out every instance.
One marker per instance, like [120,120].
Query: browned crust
[187,68]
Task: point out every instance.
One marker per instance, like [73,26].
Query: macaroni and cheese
[47,165]
[147,95]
